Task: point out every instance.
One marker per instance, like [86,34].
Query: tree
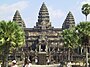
[70,39]
[84,35]
[86,10]
[84,31]
[11,36]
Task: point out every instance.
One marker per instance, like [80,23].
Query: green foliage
[78,36]
[11,35]
[84,28]
[70,38]
[86,10]
[84,32]
[74,37]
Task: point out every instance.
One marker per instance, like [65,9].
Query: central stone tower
[43,18]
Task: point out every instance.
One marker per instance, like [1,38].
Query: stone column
[39,48]
[46,48]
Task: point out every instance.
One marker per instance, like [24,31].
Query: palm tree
[70,39]
[11,36]
[84,35]
[86,10]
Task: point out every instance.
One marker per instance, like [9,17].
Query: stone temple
[43,41]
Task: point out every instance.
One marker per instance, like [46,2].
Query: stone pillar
[39,48]
[46,48]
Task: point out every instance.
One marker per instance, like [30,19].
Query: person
[48,61]
[27,63]
[14,64]
[36,61]
[60,65]
[69,64]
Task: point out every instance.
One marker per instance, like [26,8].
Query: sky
[29,9]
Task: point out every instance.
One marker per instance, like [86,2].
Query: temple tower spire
[17,18]
[69,21]
[43,18]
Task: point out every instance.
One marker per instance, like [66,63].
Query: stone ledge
[53,65]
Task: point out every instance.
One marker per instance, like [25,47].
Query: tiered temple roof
[43,18]
[69,21]
[17,18]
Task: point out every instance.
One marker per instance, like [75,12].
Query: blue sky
[58,10]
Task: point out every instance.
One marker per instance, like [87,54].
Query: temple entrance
[43,47]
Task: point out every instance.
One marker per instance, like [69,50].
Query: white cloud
[7,9]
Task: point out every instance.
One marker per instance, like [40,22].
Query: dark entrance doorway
[43,47]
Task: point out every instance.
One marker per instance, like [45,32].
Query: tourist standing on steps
[30,63]
[36,60]
[48,61]
[69,64]
[14,64]
[27,63]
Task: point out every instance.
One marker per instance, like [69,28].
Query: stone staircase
[20,64]
[53,65]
